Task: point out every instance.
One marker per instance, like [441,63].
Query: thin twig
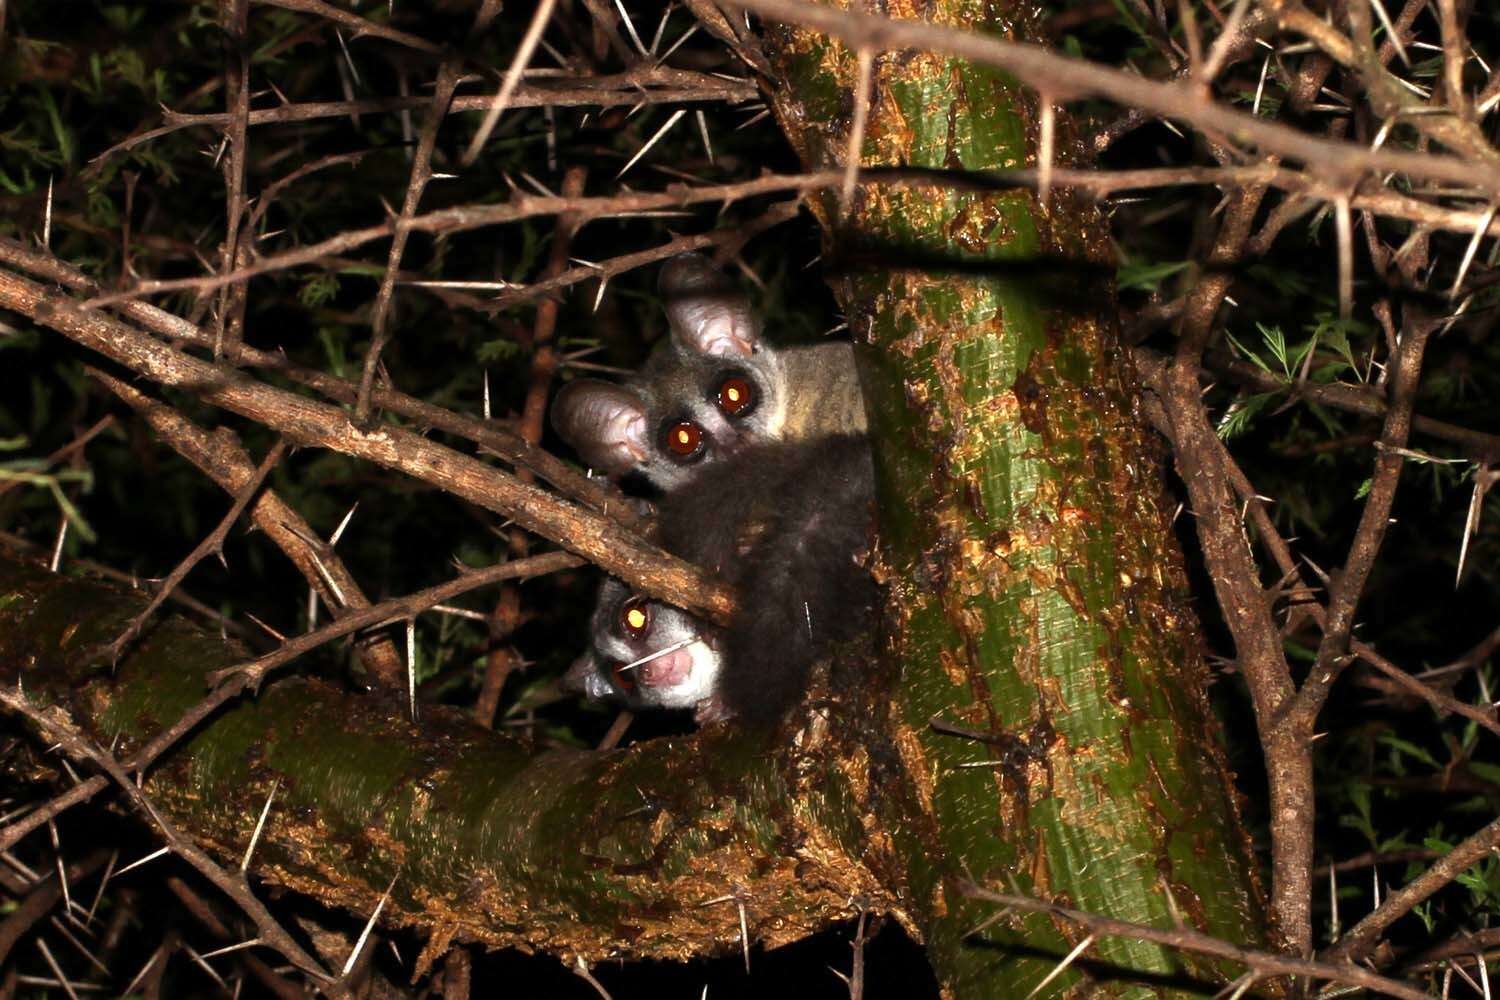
[212,544]
[1263,964]
[421,174]
[219,456]
[1067,78]
[644,84]
[233,21]
[1348,585]
[728,240]
[57,729]
[1363,936]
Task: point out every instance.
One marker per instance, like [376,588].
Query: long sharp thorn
[1058,969]
[630,28]
[1473,248]
[41,943]
[411,666]
[136,864]
[364,935]
[676,115]
[260,826]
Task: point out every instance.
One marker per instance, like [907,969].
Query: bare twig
[213,544]
[1347,585]
[421,173]
[240,677]
[1068,78]
[524,206]
[1363,936]
[728,240]
[221,457]
[468,217]
[38,817]
[360,25]
[623,554]
[233,15]
[56,728]
[1262,964]
[645,84]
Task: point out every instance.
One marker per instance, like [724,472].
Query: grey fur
[800,392]
[786,525]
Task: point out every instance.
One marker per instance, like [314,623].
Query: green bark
[572,852]
[1037,596]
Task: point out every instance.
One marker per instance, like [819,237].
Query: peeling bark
[570,852]
[1037,604]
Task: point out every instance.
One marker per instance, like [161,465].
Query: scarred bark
[1037,603]
[572,852]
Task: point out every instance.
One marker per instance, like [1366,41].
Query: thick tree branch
[492,842]
[310,423]
[596,493]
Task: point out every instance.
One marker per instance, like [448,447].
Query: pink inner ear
[625,431]
[720,337]
[717,326]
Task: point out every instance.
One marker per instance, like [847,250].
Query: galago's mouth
[667,670]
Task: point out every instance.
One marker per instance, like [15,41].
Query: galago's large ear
[584,678]
[705,309]
[605,423]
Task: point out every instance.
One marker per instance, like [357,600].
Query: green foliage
[1148,276]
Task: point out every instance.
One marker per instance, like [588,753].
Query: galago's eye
[635,617]
[683,440]
[621,677]
[736,396]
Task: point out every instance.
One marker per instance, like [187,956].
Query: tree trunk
[1051,715]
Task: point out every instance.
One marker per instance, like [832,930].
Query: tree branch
[1066,78]
[1262,965]
[307,422]
[1363,936]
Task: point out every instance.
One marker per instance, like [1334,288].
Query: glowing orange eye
[683,439]
[635,616]
[736,396]
[622,678]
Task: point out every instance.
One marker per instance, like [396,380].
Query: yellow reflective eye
[635,617]
[683,440]
[736,396]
